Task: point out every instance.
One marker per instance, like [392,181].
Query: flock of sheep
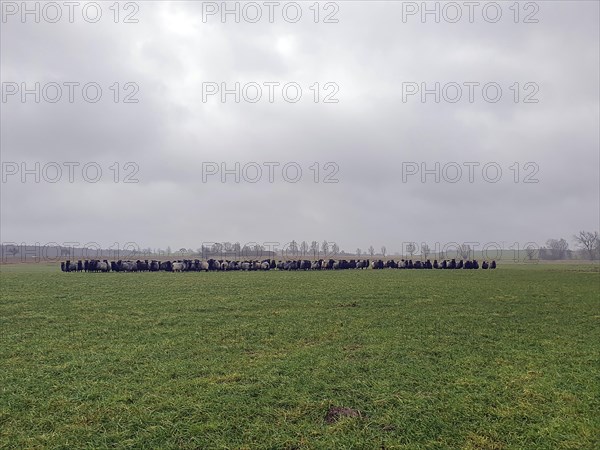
[196,265]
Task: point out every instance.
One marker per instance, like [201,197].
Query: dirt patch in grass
[335,413]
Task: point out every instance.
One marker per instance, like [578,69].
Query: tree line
[587,246]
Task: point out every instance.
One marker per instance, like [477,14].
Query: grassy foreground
[431,359]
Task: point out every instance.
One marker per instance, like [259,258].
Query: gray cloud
[369,134]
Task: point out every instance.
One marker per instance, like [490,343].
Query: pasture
[430,359]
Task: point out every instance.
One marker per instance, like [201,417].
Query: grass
[431,359]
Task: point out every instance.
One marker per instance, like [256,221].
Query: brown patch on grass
[335,413]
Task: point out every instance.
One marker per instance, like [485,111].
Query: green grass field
[431,359]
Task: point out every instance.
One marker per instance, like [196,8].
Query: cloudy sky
[348,167]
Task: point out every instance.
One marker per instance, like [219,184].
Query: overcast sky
[370,141]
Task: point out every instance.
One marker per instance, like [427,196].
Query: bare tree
[588,241]
[304,248]
[530,251]
[411,248]
[358,252]
[558,248]
[425,250]
[293,248]
[246,251]
[314,248]
[464,251]
[324,247]
[371,250]
[383,250]
[335,249]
